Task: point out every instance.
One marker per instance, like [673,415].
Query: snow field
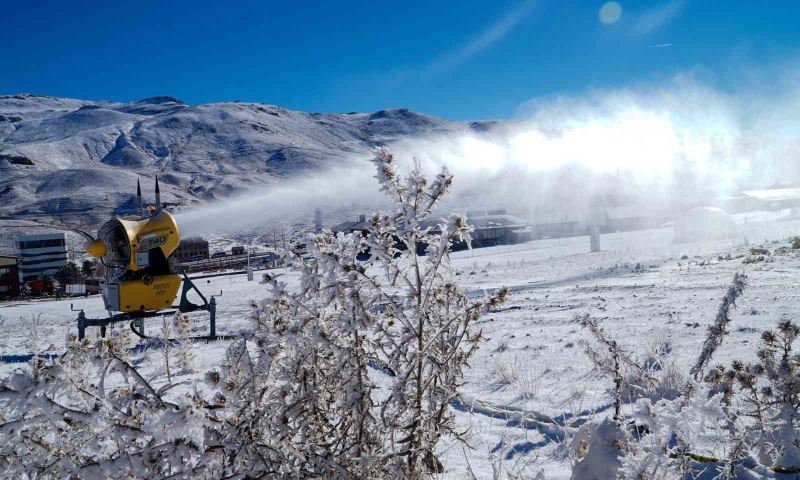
[639,287]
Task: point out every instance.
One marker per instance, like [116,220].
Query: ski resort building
[490,228]
[359,225]
[191,249]
[42,255]
[775,198]
[772,198]
[9,276]
[610,213]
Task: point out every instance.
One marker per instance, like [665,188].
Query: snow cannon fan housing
[139,248]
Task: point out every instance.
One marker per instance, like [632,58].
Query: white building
[42,255]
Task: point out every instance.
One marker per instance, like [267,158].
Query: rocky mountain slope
[74,162]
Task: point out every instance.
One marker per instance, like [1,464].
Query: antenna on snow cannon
[140,279]
[139,198]
[158,196]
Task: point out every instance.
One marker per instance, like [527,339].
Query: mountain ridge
[74,161]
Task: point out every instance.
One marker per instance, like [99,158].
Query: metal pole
[594,239]
[81,325]
[249,268]
[139,325]
[212,309]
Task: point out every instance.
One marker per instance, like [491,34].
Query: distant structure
[604,214]
[597,216]
[773,198]
[191,249]
[42,255]
[317,221]
[9,276]
[359,225]
[491,228]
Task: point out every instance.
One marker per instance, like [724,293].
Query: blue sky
[464,59]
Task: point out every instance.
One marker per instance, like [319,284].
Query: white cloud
[486,39]
[656,17]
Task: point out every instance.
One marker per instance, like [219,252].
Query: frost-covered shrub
[351,376]
[321,413]
[507,371]
[673,438]
[522,375]
[61,420]
[763,399]
[736,422]
[741,421]
[717,331]
[529,384]
[654,376]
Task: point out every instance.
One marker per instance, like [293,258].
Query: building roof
[774,194]
[482,222]
[496,221]
[350,226]
[40,236]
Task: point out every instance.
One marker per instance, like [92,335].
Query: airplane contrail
[661,45]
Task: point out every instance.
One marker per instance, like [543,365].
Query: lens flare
[609,13]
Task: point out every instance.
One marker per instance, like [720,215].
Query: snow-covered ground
[641,286]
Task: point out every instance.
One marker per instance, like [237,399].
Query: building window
[4,272]
[57,258]
[56,242]
[5,288]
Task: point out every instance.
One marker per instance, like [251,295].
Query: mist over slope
[77,161]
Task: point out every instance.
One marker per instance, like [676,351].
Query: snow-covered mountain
[76,161]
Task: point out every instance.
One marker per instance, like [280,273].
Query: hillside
[74,162]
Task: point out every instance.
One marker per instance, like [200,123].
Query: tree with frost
[397,312]
[351,376]
[429,336]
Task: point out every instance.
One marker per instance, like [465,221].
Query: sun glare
[609,13]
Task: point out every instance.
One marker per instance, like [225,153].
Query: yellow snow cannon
[140,281]
[137,248]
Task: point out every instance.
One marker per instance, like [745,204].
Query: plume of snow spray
[656,145]
[282,201]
